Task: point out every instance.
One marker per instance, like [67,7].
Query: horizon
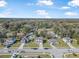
[57,19]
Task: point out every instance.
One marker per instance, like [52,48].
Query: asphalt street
[58,53]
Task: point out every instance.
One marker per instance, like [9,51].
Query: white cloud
[65,7]
[6,14]
[41,12]
[3,3]
[71,14]
[74,3]
[45,2]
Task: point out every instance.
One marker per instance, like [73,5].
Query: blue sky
[39,8]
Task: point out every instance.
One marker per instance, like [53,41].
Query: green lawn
[76,55]
[74,43]
[16,45]
[31,44]
[46,45]
[46,55]
[1,46]
[5,56]
[36,54]
[61,44]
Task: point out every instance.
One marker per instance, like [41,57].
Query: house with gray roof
[9,42]
[52,41]
[29,34]
[24,39]
[27,38]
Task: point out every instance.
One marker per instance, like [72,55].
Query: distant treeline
[54,19]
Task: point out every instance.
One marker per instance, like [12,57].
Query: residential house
[27,38]
[24,39]
[9,42]
[68,39]
[51,33]
[52,41]
[39,40]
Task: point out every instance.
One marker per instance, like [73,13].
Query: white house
[68,39]
[39,40]
[51,33]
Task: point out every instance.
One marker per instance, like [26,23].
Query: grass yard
[5,56]
[74,43]
[61,44]
[16,45]
[31,44]
[46,45]
[70,55]
[45,56]
[1,46]
[36,54]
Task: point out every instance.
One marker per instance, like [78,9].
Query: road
[58,53]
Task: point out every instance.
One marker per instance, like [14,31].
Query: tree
[3,34]
[44,41]
[48,36]
[1,40]
[5,25]
[77,41]
[43,33]
[26,30]
[36,33]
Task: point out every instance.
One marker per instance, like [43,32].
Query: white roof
[67,38]
[52,40]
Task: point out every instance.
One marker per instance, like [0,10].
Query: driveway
[68,43]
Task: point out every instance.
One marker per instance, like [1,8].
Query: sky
[39,8]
